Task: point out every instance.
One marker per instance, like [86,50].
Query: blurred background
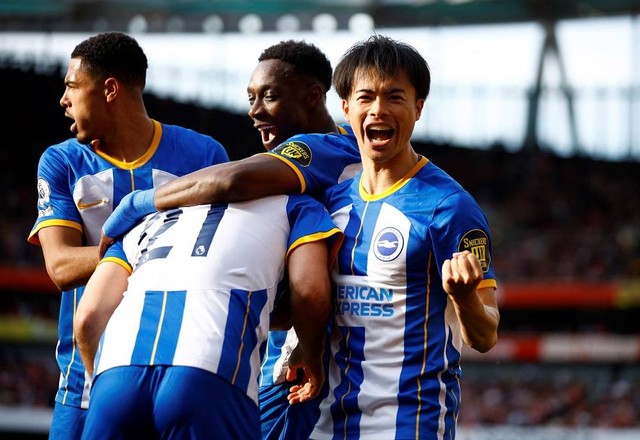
[535,109]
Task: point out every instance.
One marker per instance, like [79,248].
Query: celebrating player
[414,277]
[117,149]
[307,153]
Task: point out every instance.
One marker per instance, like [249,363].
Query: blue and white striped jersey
[79,187]
[204,283]
[320,161]
[396,340]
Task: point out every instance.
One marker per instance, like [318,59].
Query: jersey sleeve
[219,154]
[310,221]
[319,160]
[56,206]
[116,254]
[460,225]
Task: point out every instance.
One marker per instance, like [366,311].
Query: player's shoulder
[433,176]
[178,132]
[331,144]
[68,147]
[302,199]
[341,193]
[183,137]
[442,187]
[67,151]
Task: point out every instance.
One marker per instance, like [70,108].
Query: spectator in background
[117,148]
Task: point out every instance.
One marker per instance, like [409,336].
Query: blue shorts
[169,402]
[279,420]
[67,422]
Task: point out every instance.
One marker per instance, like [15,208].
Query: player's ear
[419,107]
[345,109]
[111,87]
[315,95]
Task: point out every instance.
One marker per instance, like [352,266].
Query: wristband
[131,209]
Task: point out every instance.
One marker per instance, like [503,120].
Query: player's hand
[105,242]
[461,275]
[126,215]
[312,377]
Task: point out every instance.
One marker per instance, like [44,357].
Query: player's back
[204,282]
[217,246]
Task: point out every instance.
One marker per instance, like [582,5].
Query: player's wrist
[144,202]
[131,209]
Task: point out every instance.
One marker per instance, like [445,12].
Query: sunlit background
[535,108]
[582,74]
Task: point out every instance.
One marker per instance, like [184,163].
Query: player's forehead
[273,73]
[370,78]
[75,71]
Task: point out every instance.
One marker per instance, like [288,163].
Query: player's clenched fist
[461,274]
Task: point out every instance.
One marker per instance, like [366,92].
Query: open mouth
[267,133]
[379,133]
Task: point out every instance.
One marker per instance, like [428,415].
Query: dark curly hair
[387,57]
[304,57]
[113,54]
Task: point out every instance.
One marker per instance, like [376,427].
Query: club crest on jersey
[295,150]
[44,192]
[476,241]
[388,244]
[44,198]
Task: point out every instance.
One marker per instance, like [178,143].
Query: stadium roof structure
[91,15]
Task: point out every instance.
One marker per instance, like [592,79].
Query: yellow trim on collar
[155,142]
[396,186]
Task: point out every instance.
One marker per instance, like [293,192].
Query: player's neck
[130,142]
[322,122]
[380,176]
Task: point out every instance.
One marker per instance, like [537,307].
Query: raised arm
[477,309]
[102,295]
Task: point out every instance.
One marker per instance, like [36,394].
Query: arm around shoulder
[256,176]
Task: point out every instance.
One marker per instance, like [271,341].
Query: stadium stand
[567,252]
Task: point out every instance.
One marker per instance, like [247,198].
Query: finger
[292,373]
[474,262]
[302,393]
[105,242]
[296,395]
[446,269]
[454,267]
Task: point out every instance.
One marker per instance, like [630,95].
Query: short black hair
[304,57]
[113,54]
[386,56]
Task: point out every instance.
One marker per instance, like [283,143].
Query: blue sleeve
[310,221]
[460,225]
[56,206]
[219,153]
[116,253]
[319,160]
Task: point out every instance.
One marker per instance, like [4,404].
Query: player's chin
[83,138]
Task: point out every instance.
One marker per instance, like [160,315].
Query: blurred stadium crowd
[552,218]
